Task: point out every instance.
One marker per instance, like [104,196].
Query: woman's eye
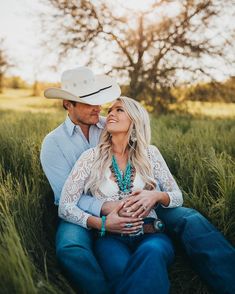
[120,109]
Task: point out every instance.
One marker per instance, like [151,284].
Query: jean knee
[62,254]
[160,248]
[196,225]
[71,256]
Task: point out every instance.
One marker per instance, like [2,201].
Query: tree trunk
[1,82]
[35,89]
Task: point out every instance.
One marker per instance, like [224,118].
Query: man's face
[81,113]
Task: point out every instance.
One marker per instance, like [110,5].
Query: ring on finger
[128,225]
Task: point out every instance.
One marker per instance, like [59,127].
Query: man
[83,93]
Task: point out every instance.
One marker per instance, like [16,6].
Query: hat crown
[81,85]
[74,78]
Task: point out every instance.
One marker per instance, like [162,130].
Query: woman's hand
[122,225]
[141,202]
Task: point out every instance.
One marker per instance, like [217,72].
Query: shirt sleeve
[57,169]
[164,178]
[55,166]
[73,189]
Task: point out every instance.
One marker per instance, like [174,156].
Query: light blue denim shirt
[60,150]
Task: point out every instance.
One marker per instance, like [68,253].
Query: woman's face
[118,121]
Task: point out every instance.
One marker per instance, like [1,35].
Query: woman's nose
[111,113]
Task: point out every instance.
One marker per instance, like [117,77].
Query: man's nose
[97,108]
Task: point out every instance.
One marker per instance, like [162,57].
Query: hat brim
[104,90]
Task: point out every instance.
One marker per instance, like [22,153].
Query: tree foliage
[209,92]
[149,48]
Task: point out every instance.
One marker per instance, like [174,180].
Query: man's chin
[94,121]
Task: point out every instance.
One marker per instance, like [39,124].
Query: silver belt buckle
[138,233]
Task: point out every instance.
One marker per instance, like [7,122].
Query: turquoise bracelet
[102,231]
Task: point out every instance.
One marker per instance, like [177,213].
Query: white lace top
[74,186]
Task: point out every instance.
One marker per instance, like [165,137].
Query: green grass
[199,151]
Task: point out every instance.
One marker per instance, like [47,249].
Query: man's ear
[67,104]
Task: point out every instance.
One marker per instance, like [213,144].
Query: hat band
[95,92]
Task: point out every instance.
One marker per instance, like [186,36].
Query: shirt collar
[101,123]
[71,126]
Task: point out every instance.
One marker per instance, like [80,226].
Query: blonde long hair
[138,150]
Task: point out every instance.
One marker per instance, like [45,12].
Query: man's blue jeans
[74,249]
[137,264]
[212,256]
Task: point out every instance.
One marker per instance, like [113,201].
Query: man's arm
[109,206]
[55,166]
[57,170]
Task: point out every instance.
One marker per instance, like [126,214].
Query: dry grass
[206,109]
[22,100]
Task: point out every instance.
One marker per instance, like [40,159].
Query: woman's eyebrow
[114,107]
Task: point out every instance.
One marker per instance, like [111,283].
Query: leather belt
[149,228]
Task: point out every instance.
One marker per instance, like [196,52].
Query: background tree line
[208,92]
[204,92]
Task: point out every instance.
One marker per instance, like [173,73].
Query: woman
[125,167]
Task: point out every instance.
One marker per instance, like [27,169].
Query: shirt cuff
[170,203]
[96,207]
[91,205]
[84,221]
[176,199]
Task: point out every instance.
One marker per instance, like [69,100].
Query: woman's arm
[73,189]
[168,195]
[165,179]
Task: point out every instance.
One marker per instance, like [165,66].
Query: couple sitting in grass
[119,205]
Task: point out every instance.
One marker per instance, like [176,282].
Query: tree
[4,63]
[150,47]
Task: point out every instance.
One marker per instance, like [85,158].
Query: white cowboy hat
[81,85]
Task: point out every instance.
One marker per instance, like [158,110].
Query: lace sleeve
[164,178]
[73,189]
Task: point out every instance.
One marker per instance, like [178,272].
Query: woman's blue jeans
[135,265]
[212,256]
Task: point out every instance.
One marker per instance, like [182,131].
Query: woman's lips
[111,121]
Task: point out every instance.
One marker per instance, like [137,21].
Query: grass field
[199,151]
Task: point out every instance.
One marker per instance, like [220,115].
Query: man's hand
[122,225]
[141,202]
[125,211]
[108,207]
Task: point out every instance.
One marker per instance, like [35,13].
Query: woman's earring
[133,136]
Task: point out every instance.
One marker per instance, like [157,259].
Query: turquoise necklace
[124,181]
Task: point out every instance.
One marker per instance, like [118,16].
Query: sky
[18,31]
[20,28]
